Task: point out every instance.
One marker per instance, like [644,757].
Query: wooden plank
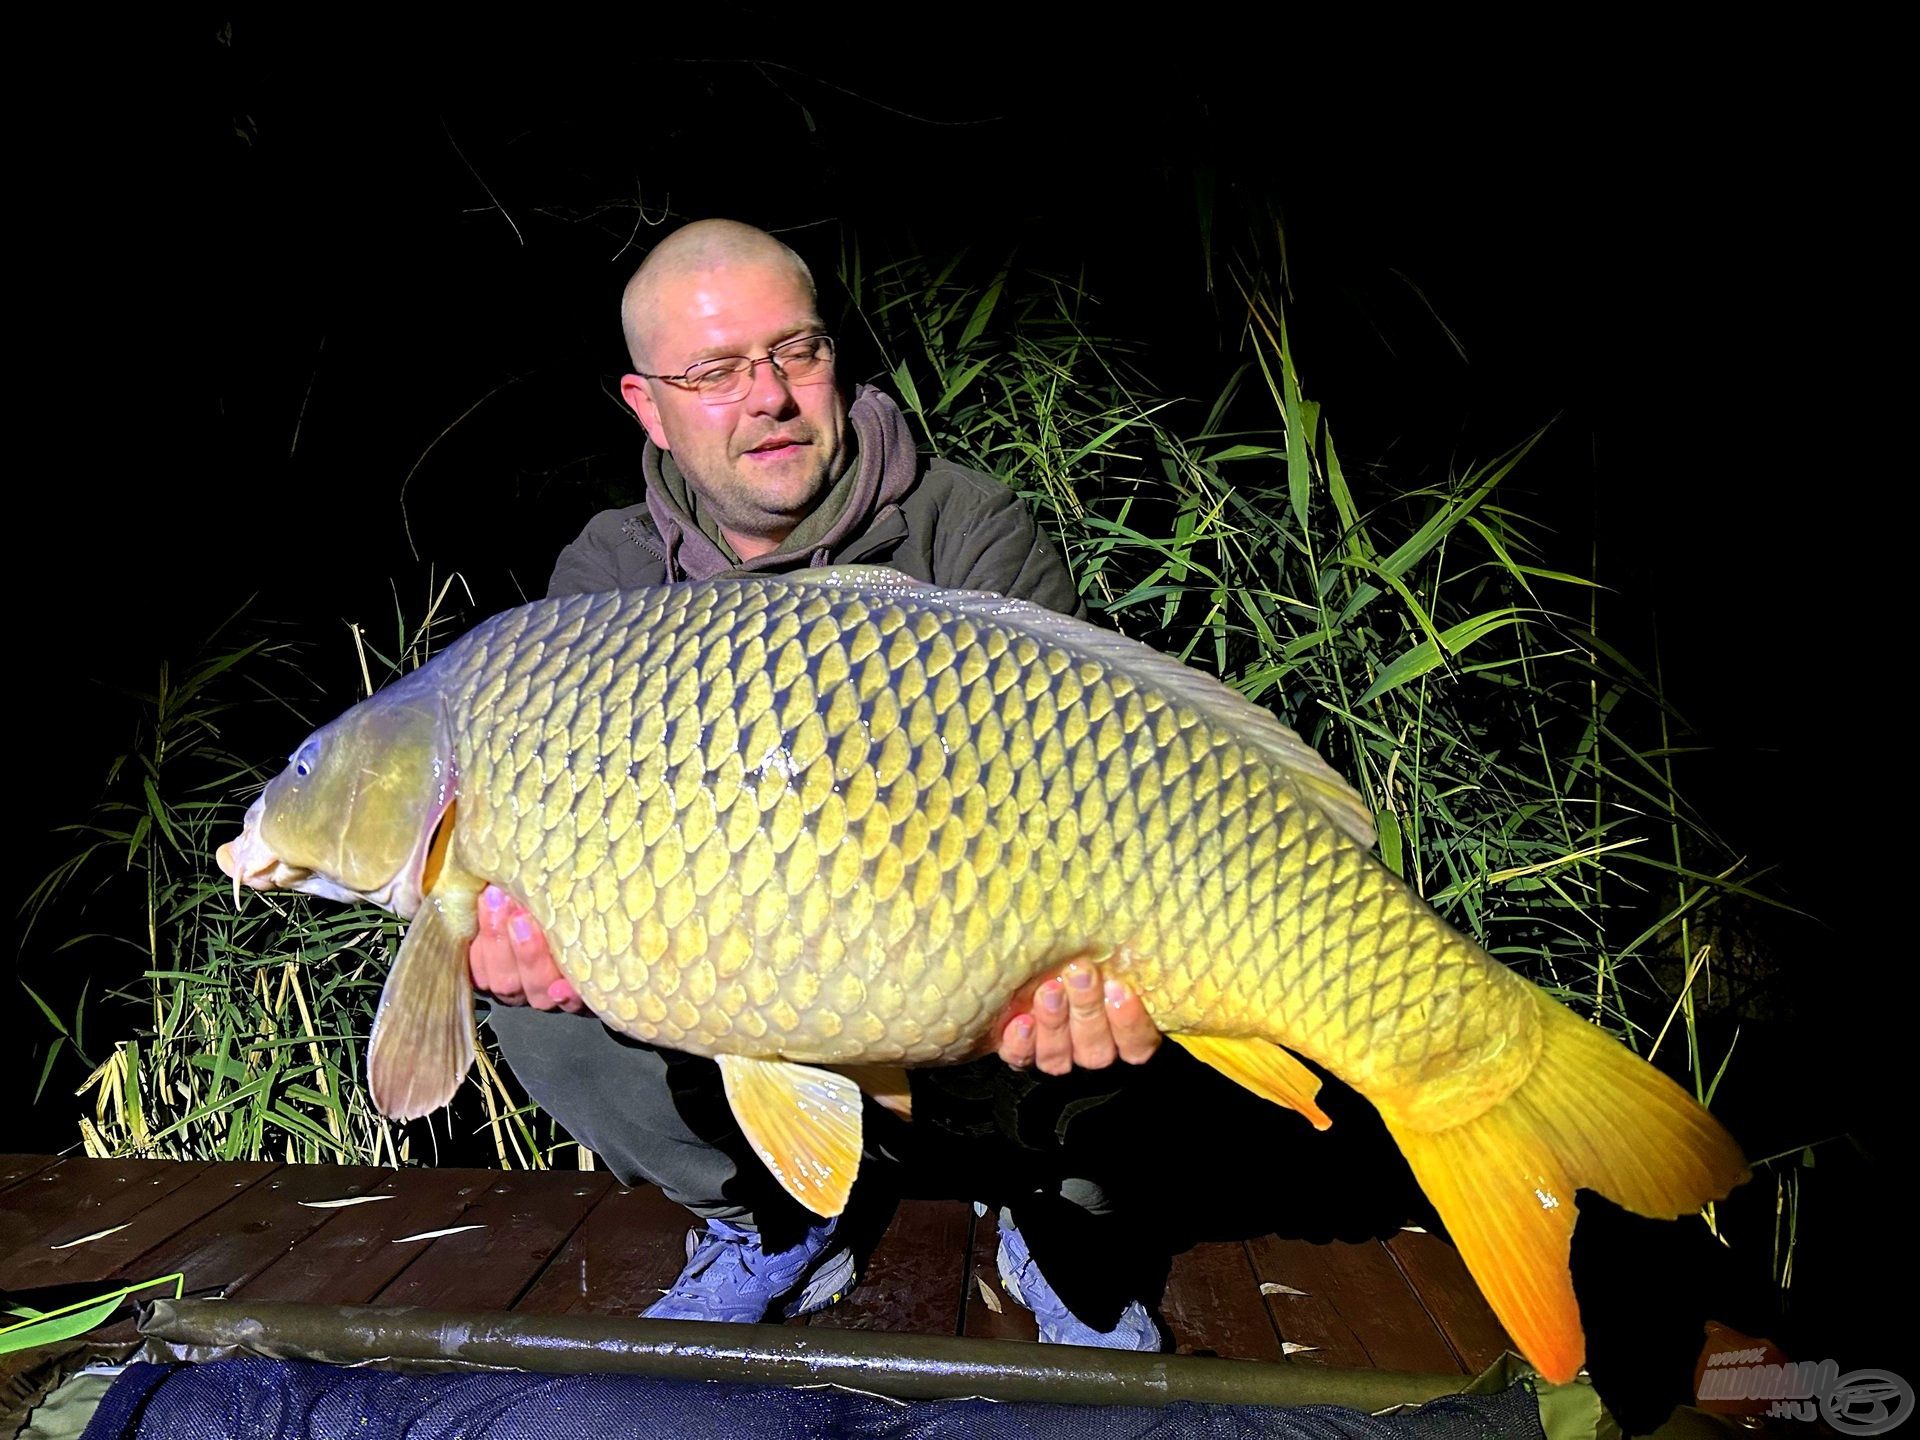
[351,1256]
[1012,1321]
[916,1279]
[1363,1284]
[224,1250]
[1213,1305]
[15,1168]
[524,1217]
[1439,1277]
[620,1260]
[78,1197]
[1310,1321]
[146,1227]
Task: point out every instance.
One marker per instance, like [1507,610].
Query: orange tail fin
[1594,1115]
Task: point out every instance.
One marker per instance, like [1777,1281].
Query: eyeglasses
[805,361]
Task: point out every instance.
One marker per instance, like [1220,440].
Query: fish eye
[305,758]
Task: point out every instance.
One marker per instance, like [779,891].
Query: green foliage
[246,1020]
[31,1326]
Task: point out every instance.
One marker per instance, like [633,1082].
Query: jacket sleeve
[999,547]
[603,557]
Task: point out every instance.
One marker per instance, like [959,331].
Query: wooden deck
[558,1242]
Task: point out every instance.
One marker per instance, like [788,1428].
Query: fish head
[355,814]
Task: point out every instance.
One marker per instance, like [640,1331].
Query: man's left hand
[1077,1020]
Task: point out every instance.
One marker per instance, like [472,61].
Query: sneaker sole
[826,1286]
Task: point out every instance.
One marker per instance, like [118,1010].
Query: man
[758,462]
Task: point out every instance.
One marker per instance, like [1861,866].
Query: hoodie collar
[884,466]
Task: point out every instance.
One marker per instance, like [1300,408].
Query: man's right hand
[510,960]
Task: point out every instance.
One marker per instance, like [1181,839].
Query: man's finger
[1089,1032]
[1134,1033]
[538,975]
[1016,1042]
[1052,1045]
[490,956]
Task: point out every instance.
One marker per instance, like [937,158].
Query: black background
[267,265]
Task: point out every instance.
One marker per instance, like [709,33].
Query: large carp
[843,819]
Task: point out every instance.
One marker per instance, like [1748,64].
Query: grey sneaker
[1135,1330]
[728,1276]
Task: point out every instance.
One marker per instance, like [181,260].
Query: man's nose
[769,392]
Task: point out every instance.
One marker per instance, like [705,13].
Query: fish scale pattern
[835,826]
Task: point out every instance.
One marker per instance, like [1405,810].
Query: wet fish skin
[844,819]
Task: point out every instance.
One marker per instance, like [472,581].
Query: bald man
[758,461]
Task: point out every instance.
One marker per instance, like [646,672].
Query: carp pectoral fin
[1264,1068]
[1591,1114]
[883,1084]
[423,1031]
[803,1122]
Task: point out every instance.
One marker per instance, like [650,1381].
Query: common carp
[841,819]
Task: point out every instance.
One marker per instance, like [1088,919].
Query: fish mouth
[251,862]
[248,860]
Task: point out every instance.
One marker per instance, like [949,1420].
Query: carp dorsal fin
[803,1122]
[874,578]
[423,1034]
[1264,1068]
[1324,786]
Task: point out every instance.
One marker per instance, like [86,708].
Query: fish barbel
[841,819]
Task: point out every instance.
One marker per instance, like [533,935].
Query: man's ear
[639,399]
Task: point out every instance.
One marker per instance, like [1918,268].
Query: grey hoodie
[934,520]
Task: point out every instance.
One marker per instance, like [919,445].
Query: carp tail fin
[1591,1115]
[423,1034]
[803,1122]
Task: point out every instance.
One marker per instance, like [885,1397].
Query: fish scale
[844,819]
[789,779]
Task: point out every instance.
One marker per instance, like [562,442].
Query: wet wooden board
[915,1282]
[574,1242]
[1435,1270]
[79,1197]
[351,1256]
[1367,1291]
[223,1250]
[619,1260]
[1311,1328]
[15,1168]
[523,1219]
[1213,1304]
[146,1228]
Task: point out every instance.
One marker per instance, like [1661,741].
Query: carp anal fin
[803,1122]
[885,1085]
[1591,1115]
[1262,1067]
[423,1031]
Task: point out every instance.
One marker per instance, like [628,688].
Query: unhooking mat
[257,1399]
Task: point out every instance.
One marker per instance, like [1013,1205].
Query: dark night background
[356,235]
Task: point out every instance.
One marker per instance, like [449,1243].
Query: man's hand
[510,960]
[1078,1021]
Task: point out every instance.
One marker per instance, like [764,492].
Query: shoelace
[705,1248]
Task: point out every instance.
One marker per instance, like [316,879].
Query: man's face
[760,462]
